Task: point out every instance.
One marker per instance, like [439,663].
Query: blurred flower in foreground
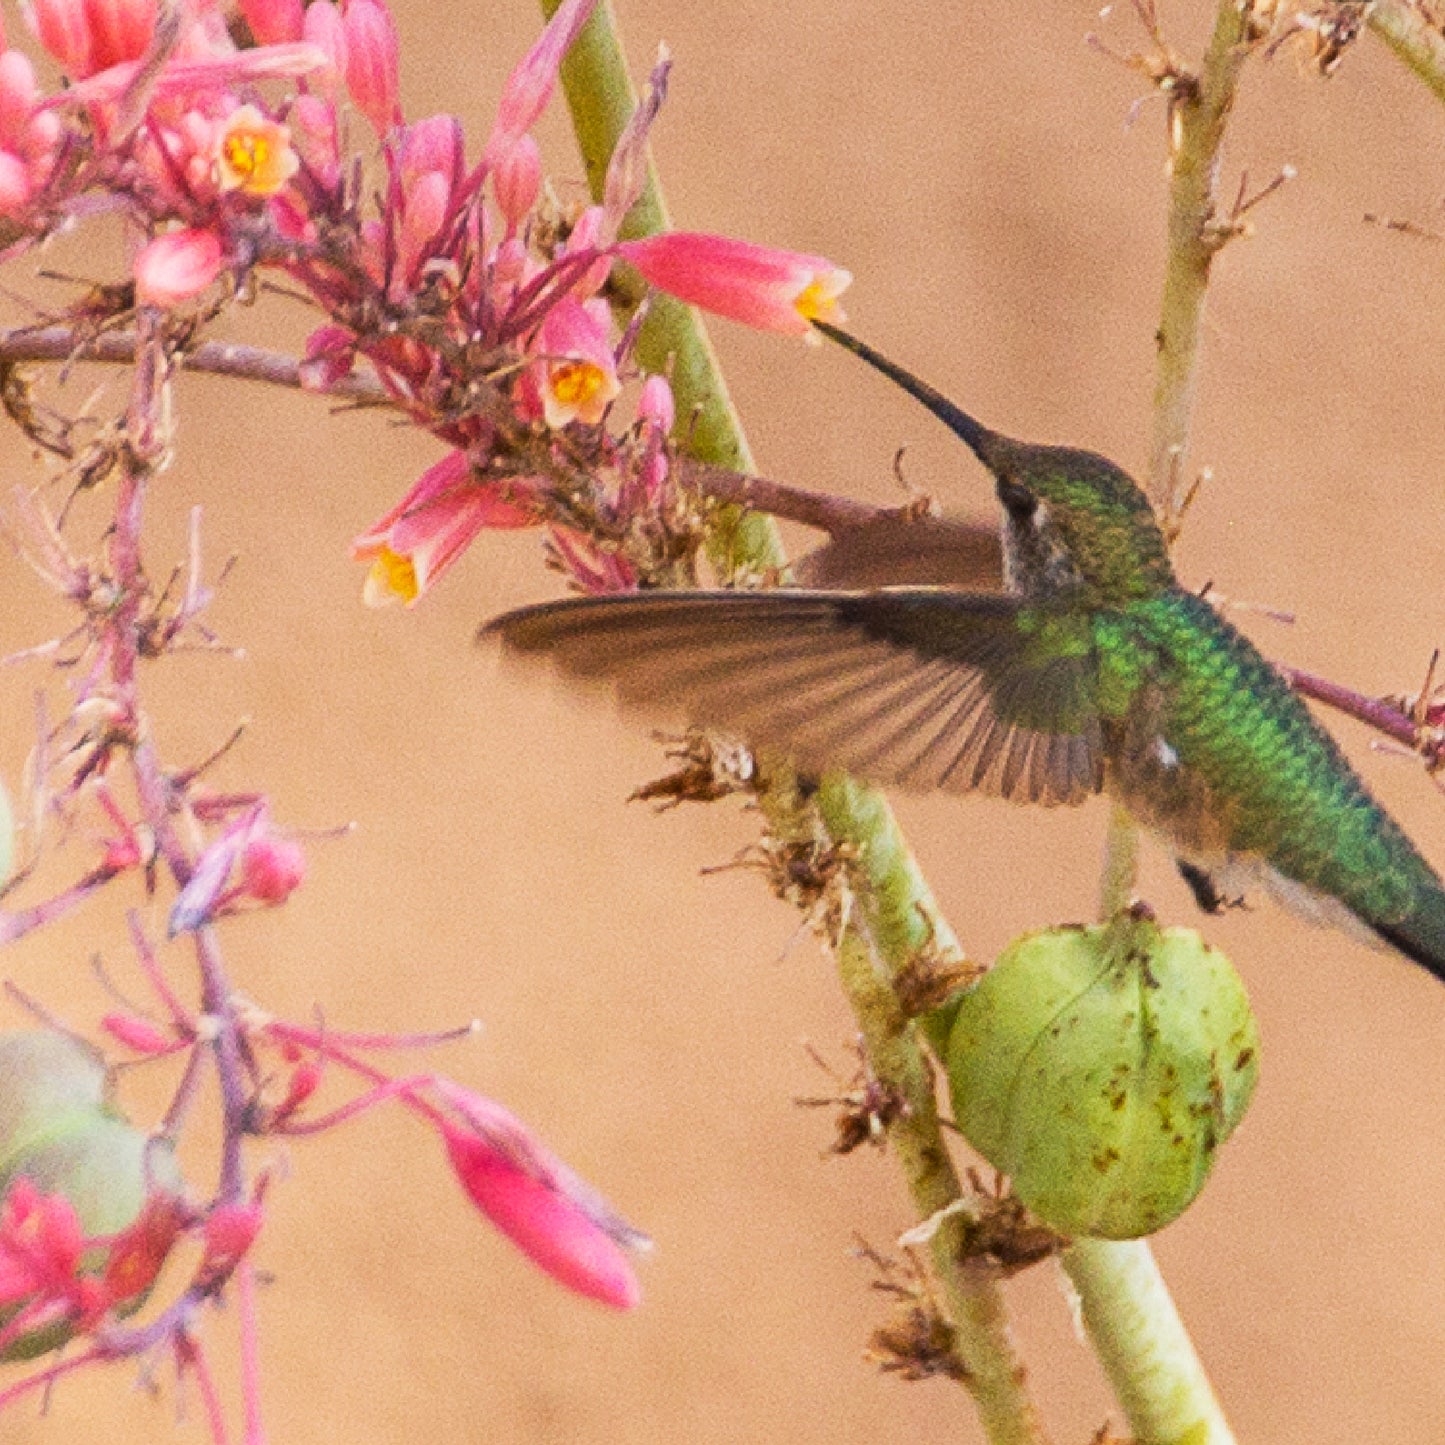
[555,1218]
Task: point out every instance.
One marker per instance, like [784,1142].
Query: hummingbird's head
[1071,517]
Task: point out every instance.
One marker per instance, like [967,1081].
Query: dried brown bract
[708,768]
[866,1106]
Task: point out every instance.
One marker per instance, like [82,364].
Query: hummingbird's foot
[1207,892]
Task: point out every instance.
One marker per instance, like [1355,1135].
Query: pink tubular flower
[554,1217]
[274,22]
[757,285]
[430,528]
[372,74]
[88,36]
[177,266]
[577,372]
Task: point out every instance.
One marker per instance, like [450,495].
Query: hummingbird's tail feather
[1420,935]
[971,432]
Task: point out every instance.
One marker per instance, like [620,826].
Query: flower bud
[371,62]
[272,868]
[176,266]
[1101,1068]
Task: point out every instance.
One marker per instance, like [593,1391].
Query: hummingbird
[1093,671]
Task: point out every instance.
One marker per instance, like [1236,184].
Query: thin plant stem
[600,94]
[1143,1345]
[1126,1307]
[1199,114]
[1405,28]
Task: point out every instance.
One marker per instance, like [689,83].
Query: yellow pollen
[818,300]
[392,577]
[247,154]
[255,155]
[575,383]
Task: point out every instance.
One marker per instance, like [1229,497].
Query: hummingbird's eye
[1019,502]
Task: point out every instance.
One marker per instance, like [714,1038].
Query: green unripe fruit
[1101,1068]
[48,1080]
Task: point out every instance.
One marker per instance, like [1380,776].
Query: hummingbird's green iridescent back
[1220,755]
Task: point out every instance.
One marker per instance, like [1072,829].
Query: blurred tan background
[974,168]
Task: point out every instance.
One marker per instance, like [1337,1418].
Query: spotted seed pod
[1101,1069]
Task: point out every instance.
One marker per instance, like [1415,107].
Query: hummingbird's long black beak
[974,434]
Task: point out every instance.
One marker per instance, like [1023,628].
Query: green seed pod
[48,1080]
[1101,1068]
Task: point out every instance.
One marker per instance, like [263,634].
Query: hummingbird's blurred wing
[918,688]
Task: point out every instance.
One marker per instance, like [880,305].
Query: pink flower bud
[531,83]
[322,27]
[314,131]
[139,1252]
[138,1034]
[426,205]
[18,95]
[757,285]
[305,1080]
[272,868]
[177,266]
[589,233]
[656,406]
[517,180]
[430,145]
[371,62]
[88,36]
[554,1217]
[274,22]
[229,1232]
[330,356]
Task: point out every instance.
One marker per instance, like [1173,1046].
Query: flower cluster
[500,323]
[481,307]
